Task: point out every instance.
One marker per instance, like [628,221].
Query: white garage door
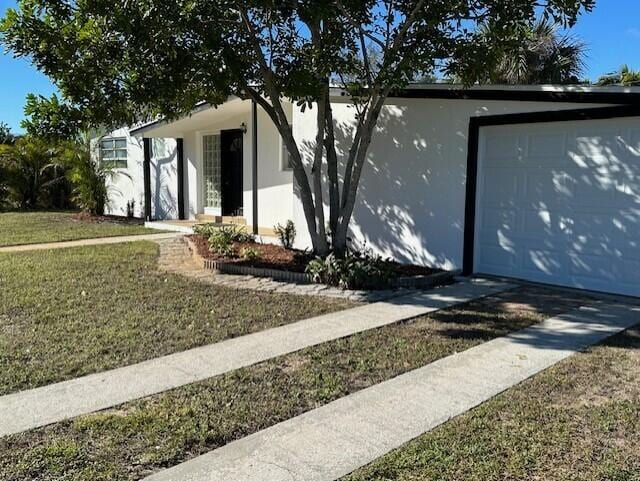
[560,203]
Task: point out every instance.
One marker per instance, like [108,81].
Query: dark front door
[231,159]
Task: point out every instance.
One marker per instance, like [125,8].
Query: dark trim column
[254,164]
[180,159]
[470,198]
[146,169]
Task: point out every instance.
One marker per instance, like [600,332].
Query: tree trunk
[332,170]
[364,135]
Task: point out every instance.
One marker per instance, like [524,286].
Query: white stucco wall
[127,185]
[412,193]
[275,185]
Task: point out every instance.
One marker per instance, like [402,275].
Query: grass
[578,421]
[18,228]
[69,312]
[145,436]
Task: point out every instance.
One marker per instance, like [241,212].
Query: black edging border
[408,282]
[475,123]
[520,95]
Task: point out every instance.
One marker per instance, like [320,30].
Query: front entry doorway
[231,155]
[222,162]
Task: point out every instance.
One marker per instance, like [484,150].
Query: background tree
[6,137]
[625,76]
[544,56]
[34,174]
[120,62]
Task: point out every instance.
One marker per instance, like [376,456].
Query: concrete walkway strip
[334,440]
[53,403]
[89,242]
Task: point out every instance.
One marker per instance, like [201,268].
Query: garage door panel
[567,211]
[589,189]
[631,272]
[543,262]
[597,146]
[495,218]
[548,147]
[632,145]
[550,187]
[502,147]
[506,193]
[540,223]
[501,260]
[594,267]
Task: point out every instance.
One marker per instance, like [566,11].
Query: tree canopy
[119,62]
[543,56]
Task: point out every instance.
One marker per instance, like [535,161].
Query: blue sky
[612,33]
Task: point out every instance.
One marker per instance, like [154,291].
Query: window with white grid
[212,171]
[113,153]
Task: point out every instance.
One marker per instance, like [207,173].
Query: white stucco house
[539,183]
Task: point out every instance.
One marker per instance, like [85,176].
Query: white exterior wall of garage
[411,201]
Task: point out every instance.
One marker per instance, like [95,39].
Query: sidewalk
[88,242]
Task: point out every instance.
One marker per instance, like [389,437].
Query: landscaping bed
[139,438]
[288,264]
[270,256]
[109,219]
[69,312]
[18,228]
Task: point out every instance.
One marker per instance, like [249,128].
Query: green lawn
[37,227]
[578,421]
[144,436]
[69,312]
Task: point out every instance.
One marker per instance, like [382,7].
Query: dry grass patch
[69,312]
[18,228]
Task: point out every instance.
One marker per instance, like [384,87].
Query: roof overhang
[204,114]
[202,117]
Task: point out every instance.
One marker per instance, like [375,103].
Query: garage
[559,203]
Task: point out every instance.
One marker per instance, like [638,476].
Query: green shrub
[249,253]
[222,238]
[286,233]
[131,208]
[204,229]
[356,270]
[89,176]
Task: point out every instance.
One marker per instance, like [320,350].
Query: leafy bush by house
[204,230]
[131,208]
[88,176]
[286,233]
[356,270]
[249,253]
[221,239]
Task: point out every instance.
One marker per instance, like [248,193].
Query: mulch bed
[277,257]
[101,219]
